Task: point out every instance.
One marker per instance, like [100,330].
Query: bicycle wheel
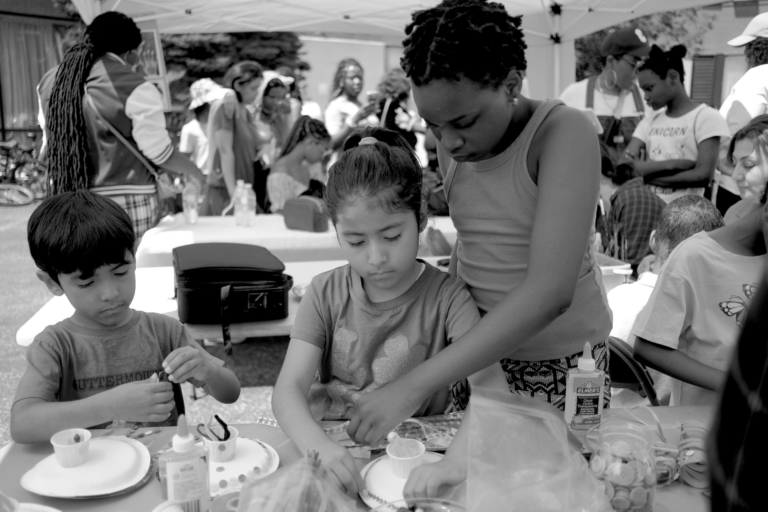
[32,176]
[15,195]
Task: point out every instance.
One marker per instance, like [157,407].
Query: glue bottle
[584,393]
[184,472]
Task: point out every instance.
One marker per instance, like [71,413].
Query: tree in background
[686,26]
[192,56]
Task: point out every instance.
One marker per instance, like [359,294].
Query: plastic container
[249,198]
[71,446]
[624,463]
[190,200]
[584,393]
[238,202]
[222,451]
[183,472]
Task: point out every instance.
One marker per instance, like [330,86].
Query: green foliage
[192,56]
[686,27]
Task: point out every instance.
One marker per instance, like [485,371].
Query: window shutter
[707,79]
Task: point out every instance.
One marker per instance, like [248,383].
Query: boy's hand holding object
[146,400]
[187,363]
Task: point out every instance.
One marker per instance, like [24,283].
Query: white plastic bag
[520,458]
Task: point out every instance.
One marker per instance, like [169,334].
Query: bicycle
[22,177]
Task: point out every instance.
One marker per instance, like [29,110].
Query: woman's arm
[677,365]
[224,145]
[701,173]
[346,128]
[568,189]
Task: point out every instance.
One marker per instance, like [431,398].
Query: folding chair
[626,372]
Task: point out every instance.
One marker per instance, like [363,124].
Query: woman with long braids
[522,178]
[290,176]
[345,112]
[83,152]
[613,95]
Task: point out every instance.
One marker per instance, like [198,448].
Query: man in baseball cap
[758,27]
[747,99]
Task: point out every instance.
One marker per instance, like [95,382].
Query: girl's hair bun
[678,51]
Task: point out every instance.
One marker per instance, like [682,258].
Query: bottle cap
[586,362]
[183,441]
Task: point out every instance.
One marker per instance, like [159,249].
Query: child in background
[291,176]
[194,141]
[365,324]
[683,140]
[102,363]
[695,313]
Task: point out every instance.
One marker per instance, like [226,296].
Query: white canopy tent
[550,27]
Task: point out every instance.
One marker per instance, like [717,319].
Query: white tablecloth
[269,231]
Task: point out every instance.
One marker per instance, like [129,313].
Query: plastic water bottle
[249,196]
[239,210]
[190,197]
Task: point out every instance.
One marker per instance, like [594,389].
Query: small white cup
[402,466]
[222,451]
[71,446]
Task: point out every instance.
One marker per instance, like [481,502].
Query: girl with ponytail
[96,92]
[682,139]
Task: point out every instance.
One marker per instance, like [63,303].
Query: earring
[615,80]
[514,101]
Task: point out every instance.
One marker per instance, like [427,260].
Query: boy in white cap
[194,141]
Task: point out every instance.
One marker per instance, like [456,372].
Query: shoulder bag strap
[120,137]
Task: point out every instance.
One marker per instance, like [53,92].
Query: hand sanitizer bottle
[584,393]
[184,472]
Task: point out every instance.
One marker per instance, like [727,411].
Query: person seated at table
[680,219]
[102,363]
[364,325]
[693,317]
[631,212]
[290,177]
[681,139]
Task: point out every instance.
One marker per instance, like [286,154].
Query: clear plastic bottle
[250,205]
[183,472]
[584,393]
[239,210]
[190,198]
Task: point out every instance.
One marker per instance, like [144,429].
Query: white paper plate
[251,458]
[114,465]
[34,507]
[382,486]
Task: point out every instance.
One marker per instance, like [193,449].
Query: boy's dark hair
[386,170]
[338,78]
[79,231]
[757,51]
[684,217]
[305,127]
[475,39]
[661,62]
[69,161]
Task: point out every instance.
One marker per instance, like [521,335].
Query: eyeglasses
[634,63]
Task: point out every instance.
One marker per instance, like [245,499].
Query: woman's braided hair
[475,39]
[661,62]
[69,161]
[340,75]
[305,127]
[757,51]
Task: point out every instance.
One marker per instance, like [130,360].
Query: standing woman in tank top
[522,179]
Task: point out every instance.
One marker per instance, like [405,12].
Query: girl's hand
[380,411]
[341,465]
[187,363]
[425,481]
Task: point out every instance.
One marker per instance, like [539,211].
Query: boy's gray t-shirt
[68,362]
[366,345]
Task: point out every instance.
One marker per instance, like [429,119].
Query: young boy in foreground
[102,363]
